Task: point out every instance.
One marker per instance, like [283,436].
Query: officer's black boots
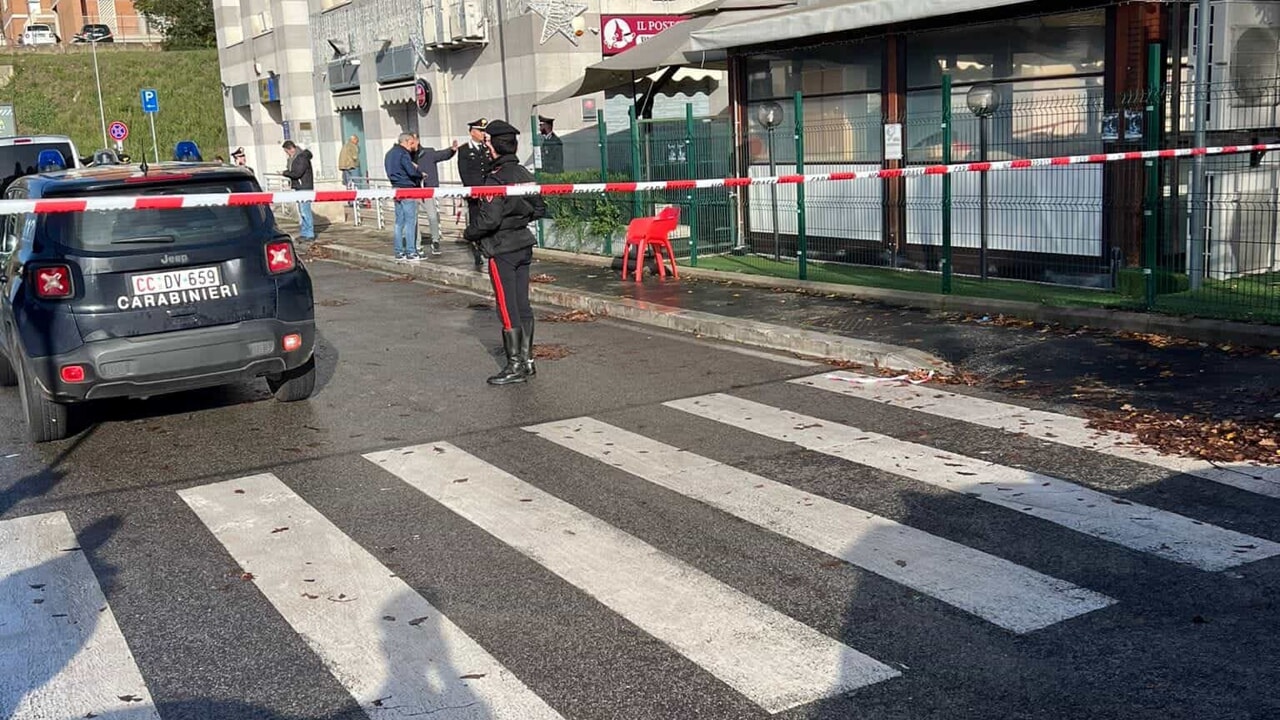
[526,351]
[513,346]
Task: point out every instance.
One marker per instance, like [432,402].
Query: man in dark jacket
[427,159]
[404,173]
[501,228]
[473,167]
[301,178]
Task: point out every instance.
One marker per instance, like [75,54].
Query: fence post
[802,238]
[946,184]
[1150,229]
[635,159]
[691,165]
[537,164]
[604,170]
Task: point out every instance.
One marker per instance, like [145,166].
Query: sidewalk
[1133,377]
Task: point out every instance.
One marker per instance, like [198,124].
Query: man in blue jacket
[427,159]
[403,172]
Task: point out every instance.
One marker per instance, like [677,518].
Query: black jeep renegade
[135,303]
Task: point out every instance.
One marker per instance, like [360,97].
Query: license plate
[174,280]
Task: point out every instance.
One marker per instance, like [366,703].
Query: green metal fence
[1129,235]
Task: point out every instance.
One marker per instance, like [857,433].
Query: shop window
[1049,46]
[827,70]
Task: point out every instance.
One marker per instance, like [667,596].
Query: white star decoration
[557,17]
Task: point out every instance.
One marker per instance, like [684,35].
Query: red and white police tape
[173,202]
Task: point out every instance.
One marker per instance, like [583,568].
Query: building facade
[320,71]
[67,17]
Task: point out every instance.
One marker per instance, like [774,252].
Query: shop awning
[346,101]
[832,16]
[669,48]
[397,95]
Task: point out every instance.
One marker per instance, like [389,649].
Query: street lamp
[97,79]
[769,114]
[983,101]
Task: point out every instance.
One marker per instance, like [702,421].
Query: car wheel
[46,420]
[296,384]
[8,377]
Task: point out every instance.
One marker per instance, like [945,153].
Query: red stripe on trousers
[500,294]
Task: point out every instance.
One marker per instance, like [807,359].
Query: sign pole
[155,146]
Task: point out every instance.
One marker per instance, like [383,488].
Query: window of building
[1047,72]
[840,86]
[260,23]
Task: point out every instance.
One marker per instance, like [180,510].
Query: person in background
[301,177]
[473,167]
[427,158]
[502,230]
[402,172]
[349,161]
[552,147]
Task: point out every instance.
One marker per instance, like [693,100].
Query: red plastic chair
[660,238]
[637,234]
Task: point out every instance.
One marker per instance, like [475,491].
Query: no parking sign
[118,131]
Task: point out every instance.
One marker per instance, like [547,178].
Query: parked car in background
[21,155]
[39,34]
[94,33]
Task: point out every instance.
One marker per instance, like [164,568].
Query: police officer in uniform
[473,167]
[501,228]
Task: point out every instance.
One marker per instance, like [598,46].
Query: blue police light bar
[187,151]
[50,160]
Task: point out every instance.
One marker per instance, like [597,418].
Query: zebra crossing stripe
[392,650]
[1047,426]
[1146,529]
[773,660]
[62,655]
[1004,593]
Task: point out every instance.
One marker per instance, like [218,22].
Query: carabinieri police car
[136,303]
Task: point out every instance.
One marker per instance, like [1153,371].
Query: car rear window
[19,160]
[126,230]
[38,28]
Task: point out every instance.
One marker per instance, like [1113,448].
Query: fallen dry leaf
[573,316]
[543,278]
[1229,441]
[550,352]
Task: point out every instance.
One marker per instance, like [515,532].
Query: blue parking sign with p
[150,101]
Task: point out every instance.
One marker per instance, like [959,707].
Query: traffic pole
[155,146]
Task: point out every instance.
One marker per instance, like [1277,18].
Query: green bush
[1132,283]
[595,215]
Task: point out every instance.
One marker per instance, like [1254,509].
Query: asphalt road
[615,586]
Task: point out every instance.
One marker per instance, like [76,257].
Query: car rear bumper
[175,361]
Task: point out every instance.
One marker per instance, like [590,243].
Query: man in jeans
[428,158]
[301,178]
[349,161]
[402,172]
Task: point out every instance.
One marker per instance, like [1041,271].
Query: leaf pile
[551,352]
[1231,441]
[573,316]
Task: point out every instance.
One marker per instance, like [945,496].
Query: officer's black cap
[498,128]
[480,124]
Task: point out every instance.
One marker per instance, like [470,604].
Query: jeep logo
[173,259]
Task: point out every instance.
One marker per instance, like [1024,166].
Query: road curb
[703,324]
[1205,330]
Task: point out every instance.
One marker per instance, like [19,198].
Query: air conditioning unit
[1244,64]
[468,22]
[436,24]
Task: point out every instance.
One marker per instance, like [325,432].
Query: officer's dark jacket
[502,224]
[473,164]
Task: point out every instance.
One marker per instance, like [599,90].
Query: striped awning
[346,101]
[396,94]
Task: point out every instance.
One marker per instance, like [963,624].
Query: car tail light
[72,373]
[279,257]
[292,342]
[53,282]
